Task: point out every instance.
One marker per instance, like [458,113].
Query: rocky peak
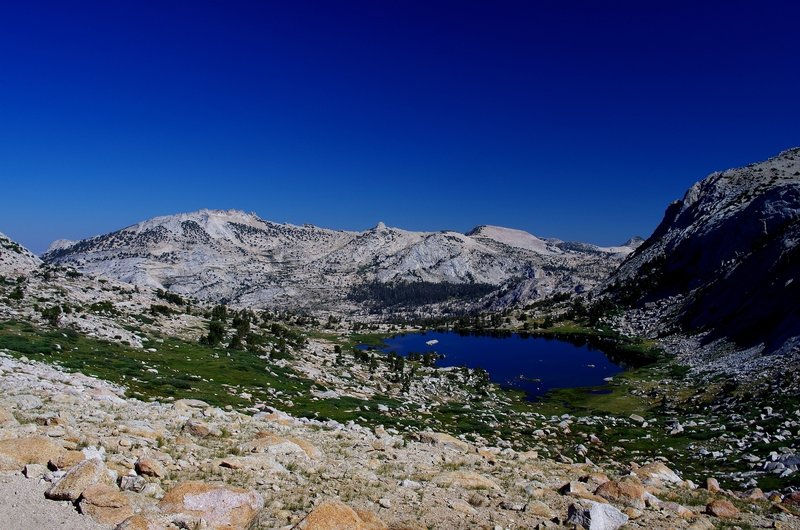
[634,242]
[234,256]
[729,250]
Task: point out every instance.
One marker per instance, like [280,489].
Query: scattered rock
[220,507]
[755,494]
[77,479]
[595,516]
[132,483]
[461,506]
[465,479]
[138,522]
[270,443]
[722,508]
[578,490]
[540,509]
[411,484]
[150,467]
[677,509]
[445,440]
[335,515]
[657,471]
[105,504]
[201,429]
[16,452]
[476,499]
[629,492]
[35,471]
[67,460]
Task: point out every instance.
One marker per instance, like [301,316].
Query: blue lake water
[529,363]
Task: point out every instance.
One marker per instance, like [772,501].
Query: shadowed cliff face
[730,250]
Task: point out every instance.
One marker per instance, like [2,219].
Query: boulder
[461,506]
[201,429]
[77,479]
[67,460]
[578,490]
[105,504]
[270,443]
[677,509]
[540,509]
[444,440]
[335,515]
[218,506]
[595,516]
[722,508]
[132,483]
[754,494]
[189,404]
[150,467]
[34,471]
[628,492]
[16,452]
[139,522]
[657,471]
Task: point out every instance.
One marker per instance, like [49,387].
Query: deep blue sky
[578,120]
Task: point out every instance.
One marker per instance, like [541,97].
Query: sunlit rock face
[239,258]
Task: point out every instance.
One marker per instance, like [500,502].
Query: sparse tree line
[399,294]
[256,333]
[404,370]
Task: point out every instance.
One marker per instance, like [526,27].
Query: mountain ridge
[230,255]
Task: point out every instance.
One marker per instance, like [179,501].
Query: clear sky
[572,119]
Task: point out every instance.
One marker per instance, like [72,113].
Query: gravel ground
[23,507]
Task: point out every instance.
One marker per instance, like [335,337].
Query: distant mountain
[725,258]
[16,260]
[240,258]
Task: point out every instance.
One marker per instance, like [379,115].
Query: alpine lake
[533,364]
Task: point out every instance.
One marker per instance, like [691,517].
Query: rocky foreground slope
[239,258]
[184,464]
[725,260]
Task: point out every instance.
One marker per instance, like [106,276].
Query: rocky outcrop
[335,515]
[16,260]
[77,479]
[219,507]
[724,259]
[15,453]
[105,504]
[596,516]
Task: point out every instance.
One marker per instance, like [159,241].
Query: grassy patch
[182,369]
